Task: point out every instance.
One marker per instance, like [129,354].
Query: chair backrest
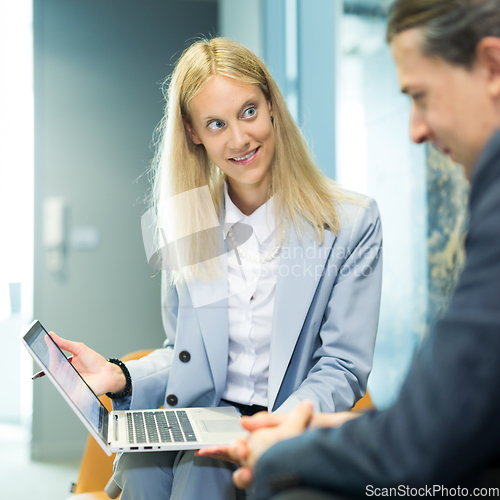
[96,467]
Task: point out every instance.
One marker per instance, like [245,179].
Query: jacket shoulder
[357,215]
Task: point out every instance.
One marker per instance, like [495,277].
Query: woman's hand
[219,453]
[100,375]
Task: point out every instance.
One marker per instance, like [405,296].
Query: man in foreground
[444,430]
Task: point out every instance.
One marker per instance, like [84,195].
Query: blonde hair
[303,195]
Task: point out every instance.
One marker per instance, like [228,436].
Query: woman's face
[232,120]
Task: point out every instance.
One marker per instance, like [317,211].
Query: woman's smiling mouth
[248,158]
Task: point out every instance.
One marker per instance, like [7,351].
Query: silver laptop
[128,431]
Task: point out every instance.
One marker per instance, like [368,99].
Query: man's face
[451,105]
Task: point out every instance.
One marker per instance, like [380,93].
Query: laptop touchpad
[227,425]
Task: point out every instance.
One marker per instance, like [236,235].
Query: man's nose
[419,128]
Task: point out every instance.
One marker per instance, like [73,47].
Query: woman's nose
[239,138]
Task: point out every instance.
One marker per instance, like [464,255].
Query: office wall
[98,66]
[378,159]
[298,40]
[241,20]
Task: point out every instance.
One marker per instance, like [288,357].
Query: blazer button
[172,399]
[184,356]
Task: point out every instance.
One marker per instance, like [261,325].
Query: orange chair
[96,467]
[364,404]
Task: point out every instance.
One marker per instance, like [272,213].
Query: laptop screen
[65,375]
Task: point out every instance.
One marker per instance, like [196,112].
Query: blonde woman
[275,301]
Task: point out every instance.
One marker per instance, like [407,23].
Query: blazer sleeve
[443,429]
[150,374]
[343,358]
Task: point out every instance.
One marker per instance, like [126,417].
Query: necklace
[253,258]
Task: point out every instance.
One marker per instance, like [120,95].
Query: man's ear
[488,55]
[190,131]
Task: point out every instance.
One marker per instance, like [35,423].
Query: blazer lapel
[300,269]
[209,300]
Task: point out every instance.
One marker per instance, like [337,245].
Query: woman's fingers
[209,451]
[238,450]
[66,345]
[217,452]
[236,453]
[84,358]
[217,455]
[101,376]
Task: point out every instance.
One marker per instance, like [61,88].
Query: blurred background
[79,100]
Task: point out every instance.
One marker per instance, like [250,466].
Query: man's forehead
[412,66]
[409,40]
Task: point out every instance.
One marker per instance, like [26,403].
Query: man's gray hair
[451,28]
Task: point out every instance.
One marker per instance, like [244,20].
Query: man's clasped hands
[265,430]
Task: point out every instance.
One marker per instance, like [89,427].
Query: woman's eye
[249,113]
[215,125]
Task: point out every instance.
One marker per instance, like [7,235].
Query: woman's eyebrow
[251,100]
[209,118]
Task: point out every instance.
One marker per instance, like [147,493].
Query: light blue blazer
[323,333]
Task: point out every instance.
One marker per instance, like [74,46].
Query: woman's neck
[248,198]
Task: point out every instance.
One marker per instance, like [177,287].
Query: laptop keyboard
[161,426]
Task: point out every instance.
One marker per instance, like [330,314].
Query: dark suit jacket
[444,428]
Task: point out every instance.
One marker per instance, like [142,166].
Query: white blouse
[251,290]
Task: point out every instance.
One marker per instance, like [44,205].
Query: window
[16,201]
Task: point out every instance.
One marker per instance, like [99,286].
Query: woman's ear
[190,131]
[270,106]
